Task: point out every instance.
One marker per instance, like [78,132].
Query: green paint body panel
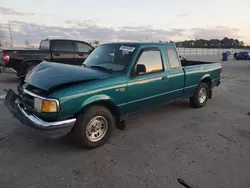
[129,94]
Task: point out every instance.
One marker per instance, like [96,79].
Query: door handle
[164,78]
[57,54]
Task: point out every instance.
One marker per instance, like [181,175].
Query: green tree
[200,43]
[214,43]
[226,43]
[237,43]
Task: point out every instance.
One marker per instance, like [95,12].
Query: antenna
[11,41]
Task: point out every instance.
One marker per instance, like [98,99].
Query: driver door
[150,87]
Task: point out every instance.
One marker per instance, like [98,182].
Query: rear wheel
[201,95]
[94,127]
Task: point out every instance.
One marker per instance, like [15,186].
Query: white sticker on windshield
[127,48]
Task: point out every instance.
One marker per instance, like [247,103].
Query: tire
[98,116]
[196,100]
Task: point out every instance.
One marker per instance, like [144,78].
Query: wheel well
[207,81]
[109,105]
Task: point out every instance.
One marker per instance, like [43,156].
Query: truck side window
[152,61]
[63,46]
[81,47]
[173,58]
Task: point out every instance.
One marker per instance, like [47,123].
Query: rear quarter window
[173,59]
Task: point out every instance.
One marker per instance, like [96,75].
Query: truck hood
[50,75]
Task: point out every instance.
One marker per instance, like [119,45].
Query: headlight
[46,105]
[38,104]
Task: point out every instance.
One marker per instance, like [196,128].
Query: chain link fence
[207,51]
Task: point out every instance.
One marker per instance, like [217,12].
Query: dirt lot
[208,147]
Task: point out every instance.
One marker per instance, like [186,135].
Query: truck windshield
[112,57]
[44,45]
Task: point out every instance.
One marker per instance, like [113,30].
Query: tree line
[213,43]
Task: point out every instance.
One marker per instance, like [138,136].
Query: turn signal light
[49,106]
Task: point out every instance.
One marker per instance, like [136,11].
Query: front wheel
[200,97]
[94,127]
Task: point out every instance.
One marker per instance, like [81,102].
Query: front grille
[26,99]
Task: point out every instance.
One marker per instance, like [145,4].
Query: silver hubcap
[202,95]
[97,128]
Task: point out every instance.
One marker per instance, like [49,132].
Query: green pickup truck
[116,80]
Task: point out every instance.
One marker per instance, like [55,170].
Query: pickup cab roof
[65,40]
[137,44]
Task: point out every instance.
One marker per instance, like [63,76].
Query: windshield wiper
[102,68]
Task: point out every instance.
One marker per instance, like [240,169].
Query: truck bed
[195,71]
[186,63]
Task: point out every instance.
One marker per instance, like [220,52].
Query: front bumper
[55,129]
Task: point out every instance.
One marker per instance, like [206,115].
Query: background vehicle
[242,56]
[21,61]
[117,80]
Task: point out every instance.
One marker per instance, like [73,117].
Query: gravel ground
[208,147]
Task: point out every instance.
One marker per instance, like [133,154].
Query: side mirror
[140,69]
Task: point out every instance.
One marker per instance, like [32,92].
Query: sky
[130,20]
